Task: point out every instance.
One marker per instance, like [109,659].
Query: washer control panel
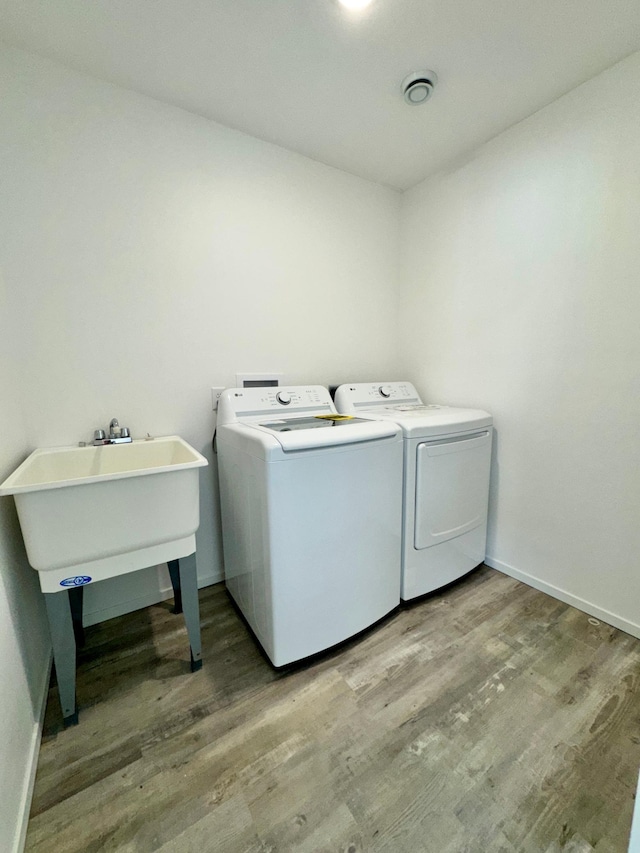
[372,394]
[239,403]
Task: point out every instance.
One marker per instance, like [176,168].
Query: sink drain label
[78,580]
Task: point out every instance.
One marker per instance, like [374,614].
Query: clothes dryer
[311,517]
[447,456]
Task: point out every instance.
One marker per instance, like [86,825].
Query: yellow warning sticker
[334,417]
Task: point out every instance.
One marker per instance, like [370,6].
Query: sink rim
[11,487]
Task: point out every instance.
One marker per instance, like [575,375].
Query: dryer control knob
[283,397]
[385,390]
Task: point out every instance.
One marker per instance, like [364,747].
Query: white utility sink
[94,512]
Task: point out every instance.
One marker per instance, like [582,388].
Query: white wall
[520,294]
[24,639]
[157,253]
[148,254]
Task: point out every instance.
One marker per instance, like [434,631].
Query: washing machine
[311,517]
[447,456]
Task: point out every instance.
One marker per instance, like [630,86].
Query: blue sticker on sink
[78,580]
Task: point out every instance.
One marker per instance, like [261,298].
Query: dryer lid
[400,402]
[432,421]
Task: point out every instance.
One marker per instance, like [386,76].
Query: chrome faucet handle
[117,434]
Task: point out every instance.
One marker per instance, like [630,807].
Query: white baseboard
[153,596]
[568,598]
[634,841]
[32,762]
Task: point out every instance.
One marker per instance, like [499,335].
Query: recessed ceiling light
[356,5]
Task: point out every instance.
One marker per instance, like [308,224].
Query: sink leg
[189,585]
[174,574]
[76,597]
[64,652]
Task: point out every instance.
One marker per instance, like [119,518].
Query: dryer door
[452,487]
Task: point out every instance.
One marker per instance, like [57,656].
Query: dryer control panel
[369,395]
[242,403]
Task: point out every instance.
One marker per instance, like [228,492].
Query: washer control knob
[385,390]
[283,397]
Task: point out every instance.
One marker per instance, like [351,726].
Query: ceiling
[317,79]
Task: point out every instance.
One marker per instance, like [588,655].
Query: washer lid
[294,434]
[312,422]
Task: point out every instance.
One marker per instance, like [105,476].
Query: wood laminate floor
[488,717]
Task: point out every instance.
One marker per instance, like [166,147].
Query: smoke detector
[418,87]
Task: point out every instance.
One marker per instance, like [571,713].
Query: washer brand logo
[79,580]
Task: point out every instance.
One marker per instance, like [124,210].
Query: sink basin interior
[57,467]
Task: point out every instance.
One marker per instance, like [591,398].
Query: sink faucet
[117,434]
